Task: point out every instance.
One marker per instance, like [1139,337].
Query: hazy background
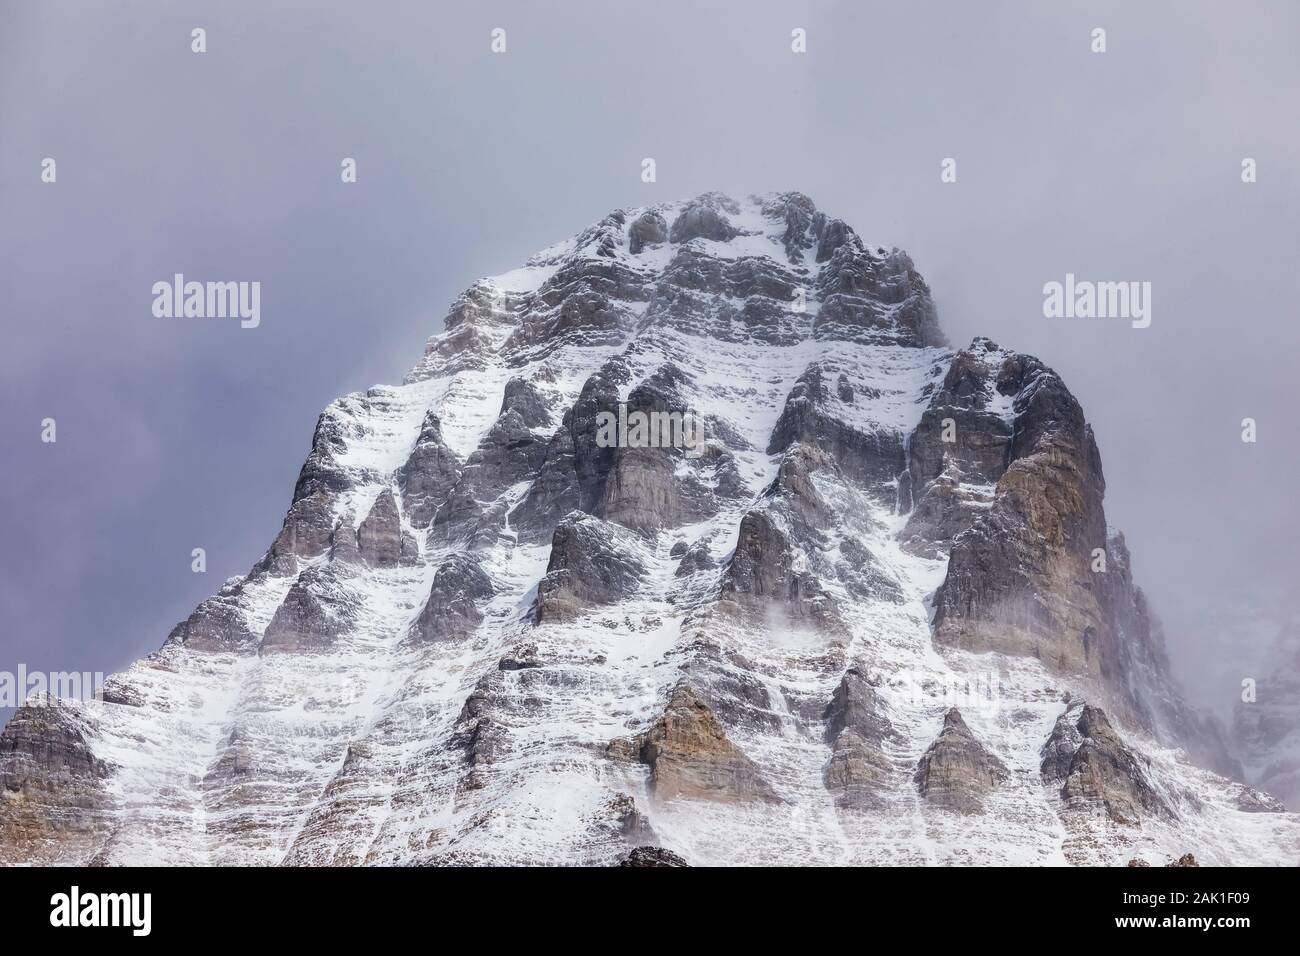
[181,434]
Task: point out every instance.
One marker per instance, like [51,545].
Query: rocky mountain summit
[878,617]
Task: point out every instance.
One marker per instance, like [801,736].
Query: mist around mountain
[878,616]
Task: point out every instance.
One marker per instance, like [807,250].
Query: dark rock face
[1016,498]
[513,450]
[452,610]
[315,612]
[343,544]
[429,474]
[584,303]
[643,488]
[652,856]
[520,659]
[574,467]
[797,211]
[862,574]
[764,572]
[631,823]
[690,757]
[704,219]
[1020,580]
[592,563]
[381,540]
[957,771]
[309,524]
[478,736]
[811,417]
[726,682]
[51,784]
[855,706]
[856,726]
[648,229]
[695,559]
[951,482]
[216,625]
[1096,769]
[871,297]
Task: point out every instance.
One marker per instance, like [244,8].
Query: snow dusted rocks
[652,856]
[452,610]
[858,771]
[770,570]
[315,612]
[813,415]
[216,624]
[690,757]
[471,596]
[592,563]
[1094,767]
[429,473]
[956,771]
[51,786]
[1020,578]
[705,218]
[381,540]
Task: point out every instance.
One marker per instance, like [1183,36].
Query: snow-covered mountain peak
[863,621]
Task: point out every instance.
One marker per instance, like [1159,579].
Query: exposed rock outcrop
[1020,580]
[648,229]
[453,609]
[814,415]
[652,856]
[52,786]
[592,563]
[771,570]
[705,218]
[690,757]
[429,473]
[1095,768]
[381,540]
[633,827]
[957,771]
[218,624]
[858,770]
[315,612]
[430,694]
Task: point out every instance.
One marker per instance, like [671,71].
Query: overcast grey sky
[171,436]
